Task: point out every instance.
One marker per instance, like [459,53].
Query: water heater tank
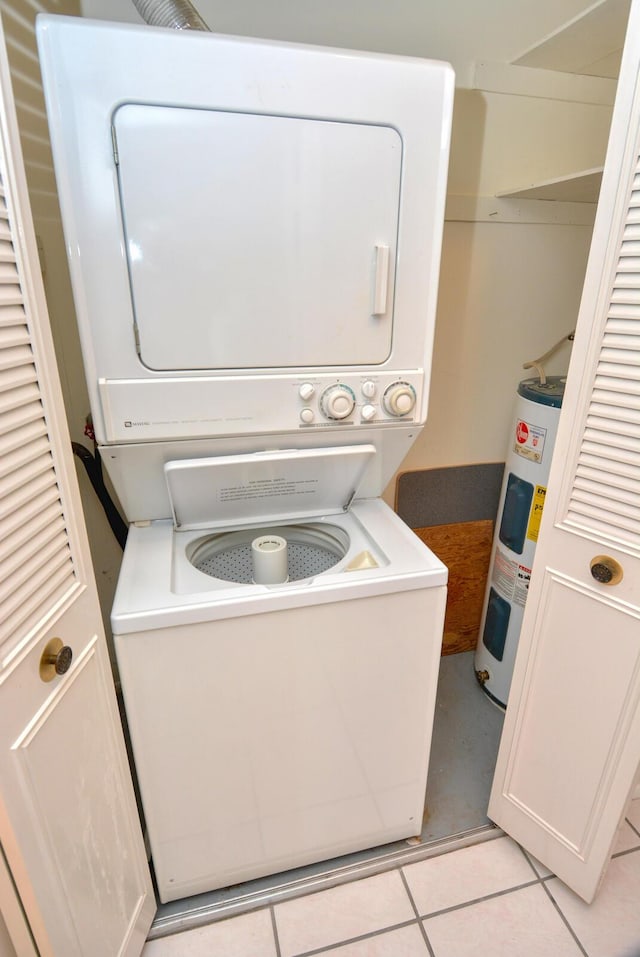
[519,512]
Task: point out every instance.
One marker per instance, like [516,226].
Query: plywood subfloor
[465,548]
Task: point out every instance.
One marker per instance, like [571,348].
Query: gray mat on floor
[466,735]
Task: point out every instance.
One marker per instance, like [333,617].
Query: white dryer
[254,237]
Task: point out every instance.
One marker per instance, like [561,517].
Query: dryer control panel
[373,400]
[143,410]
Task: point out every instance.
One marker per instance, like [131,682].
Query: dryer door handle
[381,280]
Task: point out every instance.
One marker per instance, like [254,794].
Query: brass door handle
[606,570]
[55,659]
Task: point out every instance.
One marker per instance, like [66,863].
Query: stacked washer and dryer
[254,232]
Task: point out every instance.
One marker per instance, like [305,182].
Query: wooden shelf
[582,187]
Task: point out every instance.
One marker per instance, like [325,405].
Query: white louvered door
[69,829]
[571,745]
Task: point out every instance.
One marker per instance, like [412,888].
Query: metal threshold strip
[206,908]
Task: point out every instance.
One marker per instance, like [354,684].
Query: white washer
[274,726]
[254,236]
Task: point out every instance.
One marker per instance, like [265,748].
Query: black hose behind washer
[93,468]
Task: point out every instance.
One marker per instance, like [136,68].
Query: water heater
[520,509]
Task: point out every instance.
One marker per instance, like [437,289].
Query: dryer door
[258,241]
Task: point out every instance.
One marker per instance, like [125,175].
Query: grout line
[632,826]
[529,861]
[355,940]
[423,930]
[629,850]
[480,900]
[274,928]
[563,918]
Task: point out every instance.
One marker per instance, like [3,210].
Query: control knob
[338,401]
[399,399]
[306,391]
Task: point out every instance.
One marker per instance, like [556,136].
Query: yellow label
[536,512]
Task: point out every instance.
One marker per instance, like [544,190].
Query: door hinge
[347,504]
[136,336]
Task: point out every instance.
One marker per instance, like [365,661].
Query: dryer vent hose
[537,363]
[175,14]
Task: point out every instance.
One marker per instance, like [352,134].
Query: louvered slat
[36,567]
[37,498]
[617,471]
[10,316]
[19,439]
[599,428]
[34,554]
[624,503]
[630,413]
[28,530]
[22,457]
[605,497]
[41,465]
[622,328]
[605,455]
[599,515]
[19,30]
[624,310]
[587,474]
[606,385]
[53,587]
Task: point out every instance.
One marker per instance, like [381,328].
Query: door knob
[606,570]
[55,659]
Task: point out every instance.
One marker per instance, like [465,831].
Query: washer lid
[295,483]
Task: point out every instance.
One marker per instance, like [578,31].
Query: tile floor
[490,898]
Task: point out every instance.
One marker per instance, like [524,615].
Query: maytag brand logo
[130,425]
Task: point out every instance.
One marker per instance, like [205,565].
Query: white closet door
[571,743]
[69,828]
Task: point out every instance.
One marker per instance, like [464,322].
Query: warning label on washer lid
[529,440]
[510,578]
[261,488]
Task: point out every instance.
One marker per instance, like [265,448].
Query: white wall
[507,294]
[509,286]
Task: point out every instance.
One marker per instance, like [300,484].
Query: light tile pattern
[489,898]
[238,937]
[466,875]
[611,924]
[523,922]
[341,913]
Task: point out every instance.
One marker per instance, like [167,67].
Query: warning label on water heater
[537,507]
[529,440]
[510,578]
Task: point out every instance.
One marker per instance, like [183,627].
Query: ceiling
[569,35]
[590,44]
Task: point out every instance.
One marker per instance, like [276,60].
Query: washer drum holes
[311,550]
